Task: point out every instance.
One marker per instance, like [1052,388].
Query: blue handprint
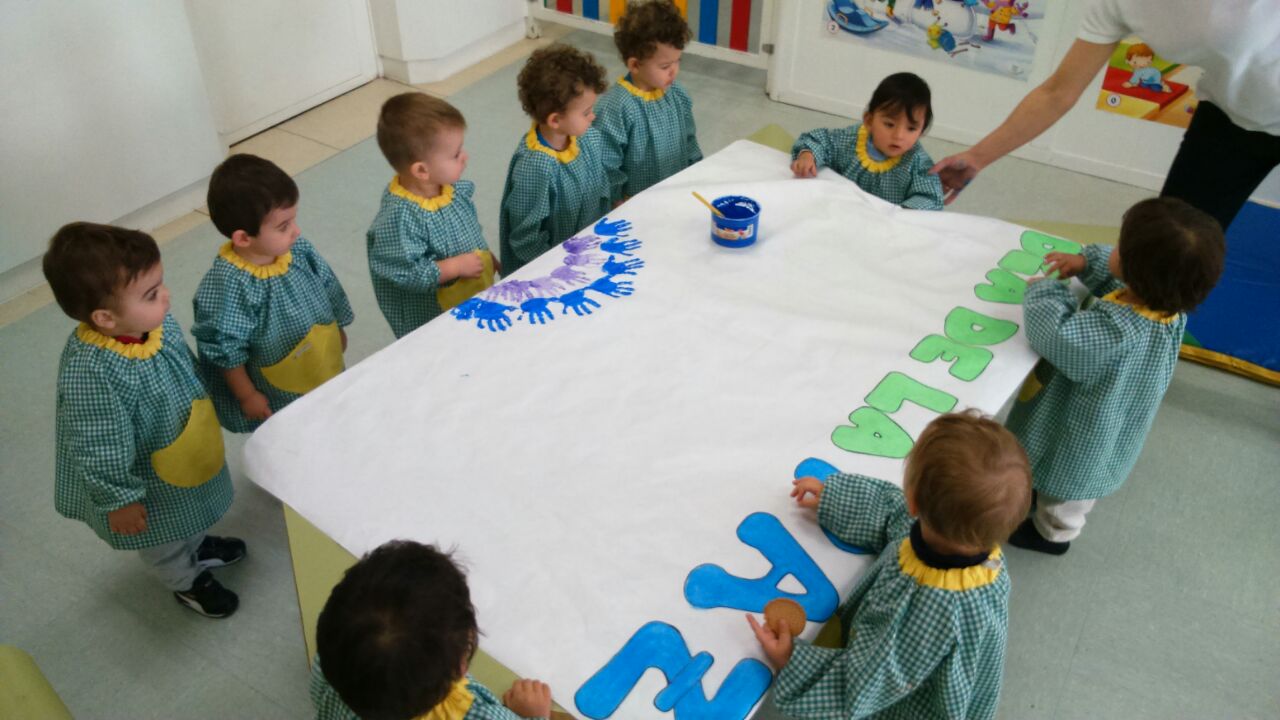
[626,267]
[619,247]
[536,310]
[607,286]
[488,315]
[578,302]
[581,243]
[617,228]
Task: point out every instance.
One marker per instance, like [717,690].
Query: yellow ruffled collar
[868,163]
[1143,310]
[134,351]
[279,266]
[955,579]
[567,155]
[429,204]
[454,706]
[646,95]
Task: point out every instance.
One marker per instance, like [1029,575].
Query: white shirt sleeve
[1102,23]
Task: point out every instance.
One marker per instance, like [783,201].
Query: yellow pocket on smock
[197,455]
[453,294]
[1032,386]
[310,363]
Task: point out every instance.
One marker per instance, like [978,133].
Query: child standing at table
[925,629]
[646,118]
[1085,412]
[397,635]
[427,252]
[139,451]
[270,312]
[882,154]
[556,181]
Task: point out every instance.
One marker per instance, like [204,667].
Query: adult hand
[955,172]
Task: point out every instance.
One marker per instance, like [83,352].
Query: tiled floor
[1167,607]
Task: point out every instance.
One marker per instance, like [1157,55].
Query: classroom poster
[991,36]
[1140,84]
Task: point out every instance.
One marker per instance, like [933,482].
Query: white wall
[428,40]
[103,112]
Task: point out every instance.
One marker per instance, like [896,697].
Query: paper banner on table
[609,436]
[1140,84]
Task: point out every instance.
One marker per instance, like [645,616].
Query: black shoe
[208,597]
[217,551]
[1028,538]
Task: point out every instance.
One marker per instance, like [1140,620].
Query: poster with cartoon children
[1140,84]
[992,36]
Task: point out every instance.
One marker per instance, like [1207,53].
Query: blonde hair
[970,478]
[408,125]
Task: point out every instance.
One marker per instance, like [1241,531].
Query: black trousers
[1219,164]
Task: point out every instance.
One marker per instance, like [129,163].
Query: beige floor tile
[293,153]
[348,118]
[25,304]
[165,233]
[493,63]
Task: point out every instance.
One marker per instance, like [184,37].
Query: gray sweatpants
[174,563]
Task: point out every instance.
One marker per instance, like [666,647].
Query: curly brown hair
[1171,253]
[554,76]
[644,25]
[971,479]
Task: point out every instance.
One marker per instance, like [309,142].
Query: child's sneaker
[1028,537]
[208,597]
[217,551]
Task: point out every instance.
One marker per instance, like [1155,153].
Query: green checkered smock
[257,322]
[119,408]
[408,235]
[1086,411]
[648,136]
[484,705]
[904,180]
[550,195]
[920,642]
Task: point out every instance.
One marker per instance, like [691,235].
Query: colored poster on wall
[991,36]
[1140,84]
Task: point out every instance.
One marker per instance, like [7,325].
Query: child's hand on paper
[804,165]
[128,520]
[529,699]
[777,647]
[1067,264]
[807,491]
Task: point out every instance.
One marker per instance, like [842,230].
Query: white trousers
[174,563]
[1060,520]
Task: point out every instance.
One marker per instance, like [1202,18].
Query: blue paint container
[740,225]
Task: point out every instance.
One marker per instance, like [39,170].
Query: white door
[265,61]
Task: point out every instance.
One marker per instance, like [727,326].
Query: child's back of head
[555,75]
[645,25]
[1171,253]
[88,264]
[970,480]
[397,631]
[244,190]
[409,124]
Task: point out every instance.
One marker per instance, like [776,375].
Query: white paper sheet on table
[583,467]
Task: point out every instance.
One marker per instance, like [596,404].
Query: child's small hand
[128,520]
[807,491]
[804,165]
[468,265]
[343,334]
[777,647]
[1067,264]
[255,406]
[529,698]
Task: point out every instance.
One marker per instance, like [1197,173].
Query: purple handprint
[578,302]
[626,267]
[568,275]
[511,291]
[581,243]
[617,228]
[545,286]
[607,286]
[579,260]
[488,315]
[619,247]
[536,310]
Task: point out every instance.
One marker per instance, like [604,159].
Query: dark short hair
[87,264]
[408,125]
[903,92]
[244,190]
[646,24]
[396,630]
[554,76]
[971,479]
[1171,253]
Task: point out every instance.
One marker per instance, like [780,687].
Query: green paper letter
[969,361]
[897,388]
[973,328]
[872,433]
[1039,244]
[1005,288]
[1021,262]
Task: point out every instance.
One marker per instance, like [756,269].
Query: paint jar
[741,222]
